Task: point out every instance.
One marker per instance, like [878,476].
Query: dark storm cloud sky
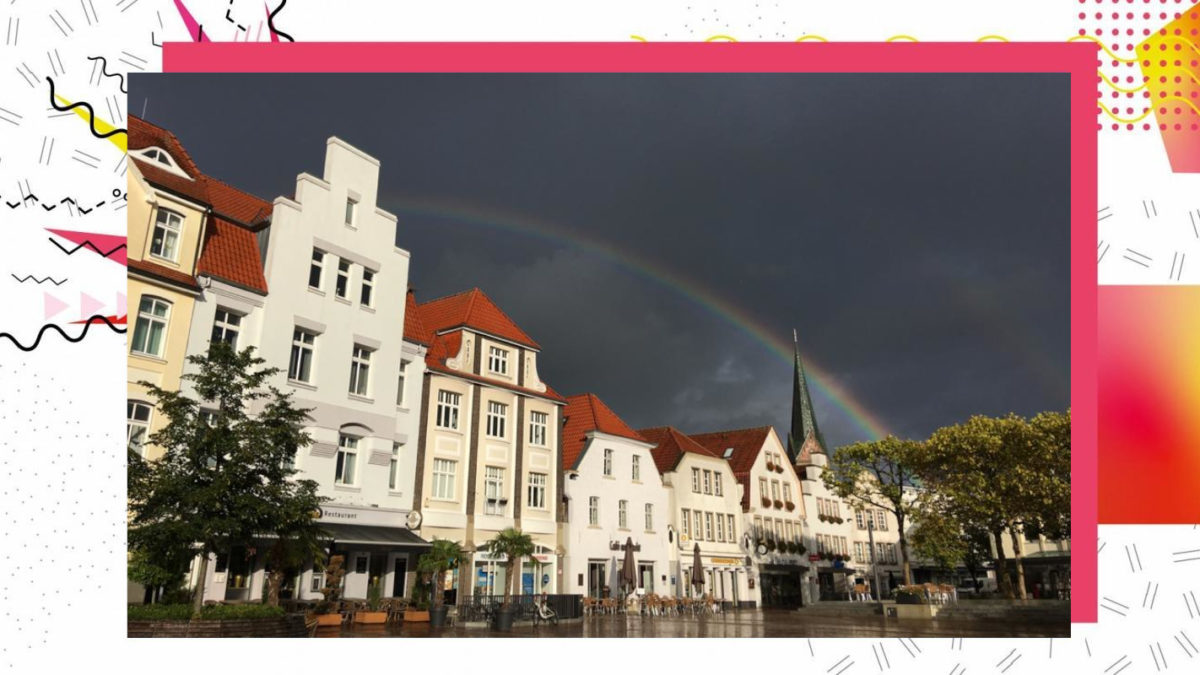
[913,228]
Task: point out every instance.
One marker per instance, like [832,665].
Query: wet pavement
[744,623]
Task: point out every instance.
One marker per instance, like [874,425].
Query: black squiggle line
[94,319]
[271,22]
[38,281]
[86,106]
[88,243]
[104,72]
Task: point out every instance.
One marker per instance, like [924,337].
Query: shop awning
[372,534]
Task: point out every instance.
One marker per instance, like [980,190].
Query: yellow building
[167,214]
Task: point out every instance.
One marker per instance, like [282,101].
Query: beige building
[489,442]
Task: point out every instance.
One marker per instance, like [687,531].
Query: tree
[226,477]
[938,537]
[514,545]
[443,555]
[876,474]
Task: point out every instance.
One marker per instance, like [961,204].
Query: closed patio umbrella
[629,569]
[697,568]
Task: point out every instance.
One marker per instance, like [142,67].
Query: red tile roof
[586,413]
[236,204]
[142,134]
[230,253]
[670,444]
[746,444]
[414,327]
[164,273]
[473,309]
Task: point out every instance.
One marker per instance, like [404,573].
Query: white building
[773,510]
[613,493]
[333,323]
[489,437]
[706,509]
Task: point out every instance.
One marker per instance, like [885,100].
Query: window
[622,514]
[787,492]
[498,360]
[891,554]
[400,383]
[394,465]
[137,425]
[858,520]
[226,327]
[347,457]
[720,527]
[447,409]
[649,517]
[707,482]
[316,269]
[695,480]
[698,525]
[342,288]
[729,528]
[537,428]
[858,552]
[708,526]
[880,552]
[443,478]
[537,491]
[775,490]
[300,367]
[351,210]
[368,286]
[150,331]
[593,510]
[762,489]
[871,520]
[685,520]
[881,520]
[636,469]
[836,512]
[788,531]
[164,243]
[717,484]
[608,461]
[493,491]
[360,370]
[496,414]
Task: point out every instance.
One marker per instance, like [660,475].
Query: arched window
[161,158]
[150,331]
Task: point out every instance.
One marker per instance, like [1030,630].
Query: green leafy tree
[442,556]
[876,474]
[939,538]
[226,475]
[515,545]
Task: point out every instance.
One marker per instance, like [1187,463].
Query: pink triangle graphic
[111,246]
[121,302]
[52,305]
[89,305]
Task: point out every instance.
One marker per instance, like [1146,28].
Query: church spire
[804,419]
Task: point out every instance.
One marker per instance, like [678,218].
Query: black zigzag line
[88,243]
[86,106]
[271,23]
[37,280]
[104,71]
[94,319]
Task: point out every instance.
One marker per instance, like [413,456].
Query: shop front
[378,550]
[782,586]
[727,579]
[537,573]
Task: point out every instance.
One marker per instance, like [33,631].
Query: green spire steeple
[804,419]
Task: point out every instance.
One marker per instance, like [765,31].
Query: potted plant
[327,609]
[770,465]
[791,506]
[766,502]
[443,555]
[513,545]
[374,613]
[779,503]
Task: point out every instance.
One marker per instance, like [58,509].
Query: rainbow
[655,271]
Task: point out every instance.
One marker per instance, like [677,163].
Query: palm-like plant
[443,555]
[514,545]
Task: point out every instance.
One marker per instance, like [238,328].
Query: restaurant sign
[727,561]
[353,515]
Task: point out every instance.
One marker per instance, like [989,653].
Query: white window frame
[494,499]
[720,527]
[444,478]
[400,381]
[695,480]
[132,423]
[497,360]
[497,416]
[730,527]
[608,462]
[351,211]
[698,525]
[299,346]
[230,323]
[171,223]
[317,264]
[707,482]
[685,520]
[635,468]
[538,421]
[881,520]
[148,316]
[366,295]
[347,450]
[623,514]
[394,466]
[536,494]
[162,159]
[341,285]
[708,526]
[594,511]
[360,370]
[649,517]
[717,489]
[447,409]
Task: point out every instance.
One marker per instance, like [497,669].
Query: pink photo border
[1076,59]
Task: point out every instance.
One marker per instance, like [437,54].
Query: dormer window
[498,360]
[160,158]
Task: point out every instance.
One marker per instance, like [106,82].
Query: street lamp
[874,568]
